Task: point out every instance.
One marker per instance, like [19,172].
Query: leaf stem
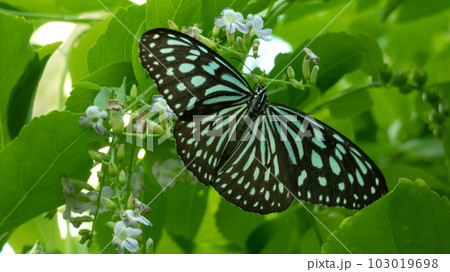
[52,17]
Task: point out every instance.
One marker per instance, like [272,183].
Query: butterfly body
[257,154]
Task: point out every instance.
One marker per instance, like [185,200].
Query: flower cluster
[94,118]
[233,20]
[127,230]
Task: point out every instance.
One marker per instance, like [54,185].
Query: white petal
[144,221]
[132,232]
[120,247]
[156,107]
[119,227]
[230,28]
[265,34]
[99,128]
[103,114]
[241,27]
[131,244]
[258,23]
[83,121]
[220,22]
[239,17]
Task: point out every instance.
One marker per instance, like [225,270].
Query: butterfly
[257,154]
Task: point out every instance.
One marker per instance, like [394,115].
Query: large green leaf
[62,7]
[236,224]
[410,219]
[418,9]
[22,98]
[32,165]
[15,53]
[185,206]
[182,12]
[116,44]
[340,53]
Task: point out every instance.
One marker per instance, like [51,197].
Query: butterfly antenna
[251,72]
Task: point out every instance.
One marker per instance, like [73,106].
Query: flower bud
[110,224]
[133,92]
[399,79]
[256,43]
[431,95]
[122,177]
[420,77]
[120,152]
[100,174]
[290,72]
[149,246]
[314,73]
[113,171]
[215,31]
[230,38]
[296,84]
[240,43]
[305,68]
[84,231]
[155,127]
[96,156]
[130,202]
[206,41]
[81,184]
[109,203]
[172,25]
[405,89]
[385,73]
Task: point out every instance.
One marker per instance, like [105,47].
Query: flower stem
[52,17]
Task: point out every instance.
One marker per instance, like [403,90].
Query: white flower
[310,55]
[124,237]
[94,118]
[193,31]
[161,105]
[131,217]
[255,25]
[232,20]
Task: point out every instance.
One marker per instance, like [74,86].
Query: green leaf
[112,75]
[418,9]
[78,57]
[82,96]
[344,56]
[373,57]
[236,224]
[186,205]
[390,6]
[139,71]
[350,103]
[22,96]
[182,12]
[32,165]
[62,7]
[116,44]
[43,230]
[15,53]
[411,219]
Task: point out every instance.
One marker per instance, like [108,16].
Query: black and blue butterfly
[258,172]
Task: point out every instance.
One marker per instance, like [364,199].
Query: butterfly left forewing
[191,77]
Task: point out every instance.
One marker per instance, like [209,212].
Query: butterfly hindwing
[192,78]
[198,148]
[329,168]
